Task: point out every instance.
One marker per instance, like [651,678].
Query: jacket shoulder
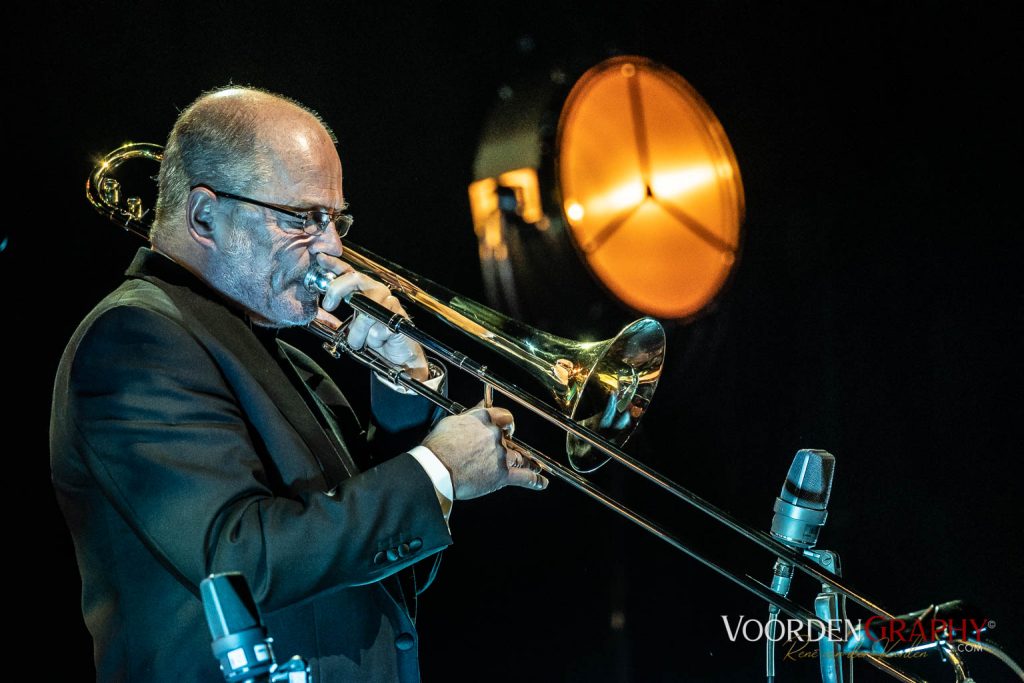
[137,293]
[136,304]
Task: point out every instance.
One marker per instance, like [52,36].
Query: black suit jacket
[181,446]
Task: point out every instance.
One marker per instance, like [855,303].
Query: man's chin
[300,314]
[306,314]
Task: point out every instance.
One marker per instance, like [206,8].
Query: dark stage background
[876,310]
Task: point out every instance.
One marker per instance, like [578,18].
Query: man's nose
[328,241]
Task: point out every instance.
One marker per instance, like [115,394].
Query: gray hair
[219,146]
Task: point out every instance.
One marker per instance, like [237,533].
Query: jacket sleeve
[165,440]
[398,421]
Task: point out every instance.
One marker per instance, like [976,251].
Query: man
[186,439]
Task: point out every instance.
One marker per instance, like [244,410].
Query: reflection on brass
[104,191]
[133,206]
[111,191]
[604,385]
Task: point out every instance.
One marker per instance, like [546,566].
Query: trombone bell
[605,386]
[617,390]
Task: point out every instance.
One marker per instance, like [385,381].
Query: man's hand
[470,445]
[395,348]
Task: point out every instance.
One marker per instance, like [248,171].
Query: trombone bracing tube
[397,323]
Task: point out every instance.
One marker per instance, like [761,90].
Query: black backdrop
[876,311]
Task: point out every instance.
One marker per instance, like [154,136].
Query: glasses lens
[318,221]
[342,223]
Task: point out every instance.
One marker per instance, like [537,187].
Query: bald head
[234,140]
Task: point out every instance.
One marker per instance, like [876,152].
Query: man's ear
[202,216]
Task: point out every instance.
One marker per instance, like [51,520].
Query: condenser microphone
[240,640]
[800,512]
[802,506]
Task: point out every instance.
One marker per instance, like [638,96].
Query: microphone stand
[830,607]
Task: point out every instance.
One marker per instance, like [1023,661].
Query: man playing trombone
[186,439]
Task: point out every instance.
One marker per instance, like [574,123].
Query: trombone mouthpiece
[317,280]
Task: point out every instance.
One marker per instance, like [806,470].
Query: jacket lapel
[230,329]
[312,382]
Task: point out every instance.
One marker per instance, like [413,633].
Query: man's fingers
[364,330]
[378,335]
[527,479]
[392,303]
[350,282]
[340,287]
[358,330]
[501,418]
[377,292]
[516,459]
[332,264]
[325,317]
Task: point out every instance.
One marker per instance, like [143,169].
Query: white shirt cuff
[432,383]
[439,477]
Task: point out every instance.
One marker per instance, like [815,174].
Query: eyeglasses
[314,221]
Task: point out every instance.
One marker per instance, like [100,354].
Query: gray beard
[239,276]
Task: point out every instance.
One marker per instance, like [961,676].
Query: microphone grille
[809,482]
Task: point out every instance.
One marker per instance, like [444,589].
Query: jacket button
[415,544]
[404,641]
[392,554]
[403,550]
[378,558]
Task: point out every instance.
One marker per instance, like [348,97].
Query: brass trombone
[601,390]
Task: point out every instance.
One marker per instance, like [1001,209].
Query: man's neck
[188,263]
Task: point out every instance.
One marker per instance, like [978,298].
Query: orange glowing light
[483,204]
[574,211]
[656,199]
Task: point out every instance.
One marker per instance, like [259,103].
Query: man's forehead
[307,172]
